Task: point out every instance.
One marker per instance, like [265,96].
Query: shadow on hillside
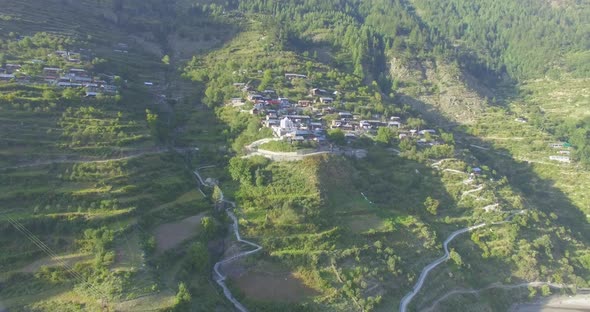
[538,193]
[381,183]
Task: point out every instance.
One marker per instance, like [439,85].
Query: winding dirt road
[220,278]
[408,298]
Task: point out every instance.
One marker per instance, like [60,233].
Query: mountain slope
[107,183]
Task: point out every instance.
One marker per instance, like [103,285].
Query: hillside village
[265,156]
[72,74]
[310,118]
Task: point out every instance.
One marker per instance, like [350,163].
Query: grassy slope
[315,208]
[59,201]
[519,151]
[380,248]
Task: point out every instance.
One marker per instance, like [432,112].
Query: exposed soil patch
[266,286]
[154,302]
[580,302]
[50,262]
[360,224]
[170,235]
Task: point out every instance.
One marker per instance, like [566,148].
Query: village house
[271,123]
[6,77]
[237,101]
[423,132]
[92,93]
[350,136]
[336,124]
[316,92]
[327,110]
[371,124]
[299,119]
[61,53]
[560,145]
[64,79]
[255,97]
[12,68]
[80,79]
[295,76]
[314,126]
[69,85]
[349,126]
[345,115]
[77,72]
[272,102]
[259,106]
[563,159]
[284,102]
[109,88]
[304,103]
[395,124]
[326,100]
[298,135]
[51,72]
[285,126]
[74,57]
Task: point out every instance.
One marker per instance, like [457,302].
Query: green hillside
[356,139]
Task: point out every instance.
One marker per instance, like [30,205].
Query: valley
[262,155]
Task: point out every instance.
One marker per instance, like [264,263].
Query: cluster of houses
[305,119]
[8,72]
[70,56]
[563,152]
[79,78]
[69,78]
[287,120]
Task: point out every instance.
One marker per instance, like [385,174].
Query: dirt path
[255,144]
[477,189]
[438,163]
[81,160]
[55,262]
[284,156]
[408,298]
[78,161]
[220,278]
[253,150]
[454,171]
[501,286]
